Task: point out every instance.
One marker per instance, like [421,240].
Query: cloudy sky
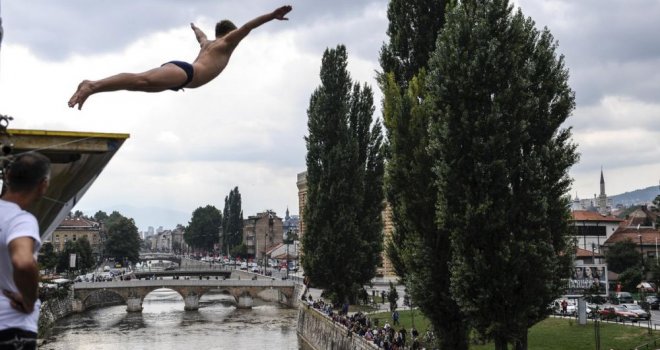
[246,128]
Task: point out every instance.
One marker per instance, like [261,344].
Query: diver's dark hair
[223,27]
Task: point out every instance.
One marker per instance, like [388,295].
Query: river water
[164,325]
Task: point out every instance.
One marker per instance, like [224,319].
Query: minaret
[602,183]
[602,198]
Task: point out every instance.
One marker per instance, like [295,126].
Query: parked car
[654,302]
[244,266]
[621,298]
[641,313]
[254,269]
[618,313]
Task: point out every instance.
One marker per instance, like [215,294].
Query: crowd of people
[386,337]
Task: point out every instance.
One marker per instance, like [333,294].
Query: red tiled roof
[585,215]
[79,222]
[649,235]
[271,250]
[583,253]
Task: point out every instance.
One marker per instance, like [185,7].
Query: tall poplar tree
[500,96]
[418,249]
[232,221]
[412,30]
[343,237]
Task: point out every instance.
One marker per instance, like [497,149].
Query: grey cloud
[610,46]
[55,30]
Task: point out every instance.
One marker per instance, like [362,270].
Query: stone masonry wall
[56,309]
[53,310]
[320,333]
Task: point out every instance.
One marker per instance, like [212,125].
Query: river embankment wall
[58,308]
[319,332]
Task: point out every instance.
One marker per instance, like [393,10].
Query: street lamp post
[642,255]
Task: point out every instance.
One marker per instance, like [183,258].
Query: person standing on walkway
[26,181]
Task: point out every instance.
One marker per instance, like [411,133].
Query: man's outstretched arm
[199,34]
[235,36]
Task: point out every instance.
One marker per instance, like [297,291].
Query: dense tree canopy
[232,221]
[123,241]
[48,258]
[500,95]
[418,248]
[83,251]
[203,230]
[343,237]
[100,216]
[621,256]
[412,31]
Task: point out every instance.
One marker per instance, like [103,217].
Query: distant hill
[636,197]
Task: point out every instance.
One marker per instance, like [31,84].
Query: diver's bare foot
[84,90]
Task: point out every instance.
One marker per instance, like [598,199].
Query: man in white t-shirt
[26,181]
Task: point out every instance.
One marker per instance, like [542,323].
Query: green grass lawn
[551,334]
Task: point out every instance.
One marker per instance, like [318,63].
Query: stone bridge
[160,256]
[134,291]
[195,273]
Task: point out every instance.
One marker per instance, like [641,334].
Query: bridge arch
[102,297]
[133,292]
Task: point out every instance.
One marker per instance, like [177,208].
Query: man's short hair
[223,27]
[27,171]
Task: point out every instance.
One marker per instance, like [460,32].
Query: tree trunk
[501,343]
[455,337]
[521,343]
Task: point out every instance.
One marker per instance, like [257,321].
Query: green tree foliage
[239,250]
[343,238]
[112,218]
[232,221]
[83,251]
[100,216]
[48,258]
[123,239]
[624,255]
[418,249]
[203,229]
[500,95]
[412,30]
[630,279]
[392,297]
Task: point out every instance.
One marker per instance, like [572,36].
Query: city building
[640,228]
[386,269]
[302,200]
[262,232]
[592,229]
[73,229]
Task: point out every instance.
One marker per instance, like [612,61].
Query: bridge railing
[185,283]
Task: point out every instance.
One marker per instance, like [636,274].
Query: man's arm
[199,34]
[26,273]
[235,36]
